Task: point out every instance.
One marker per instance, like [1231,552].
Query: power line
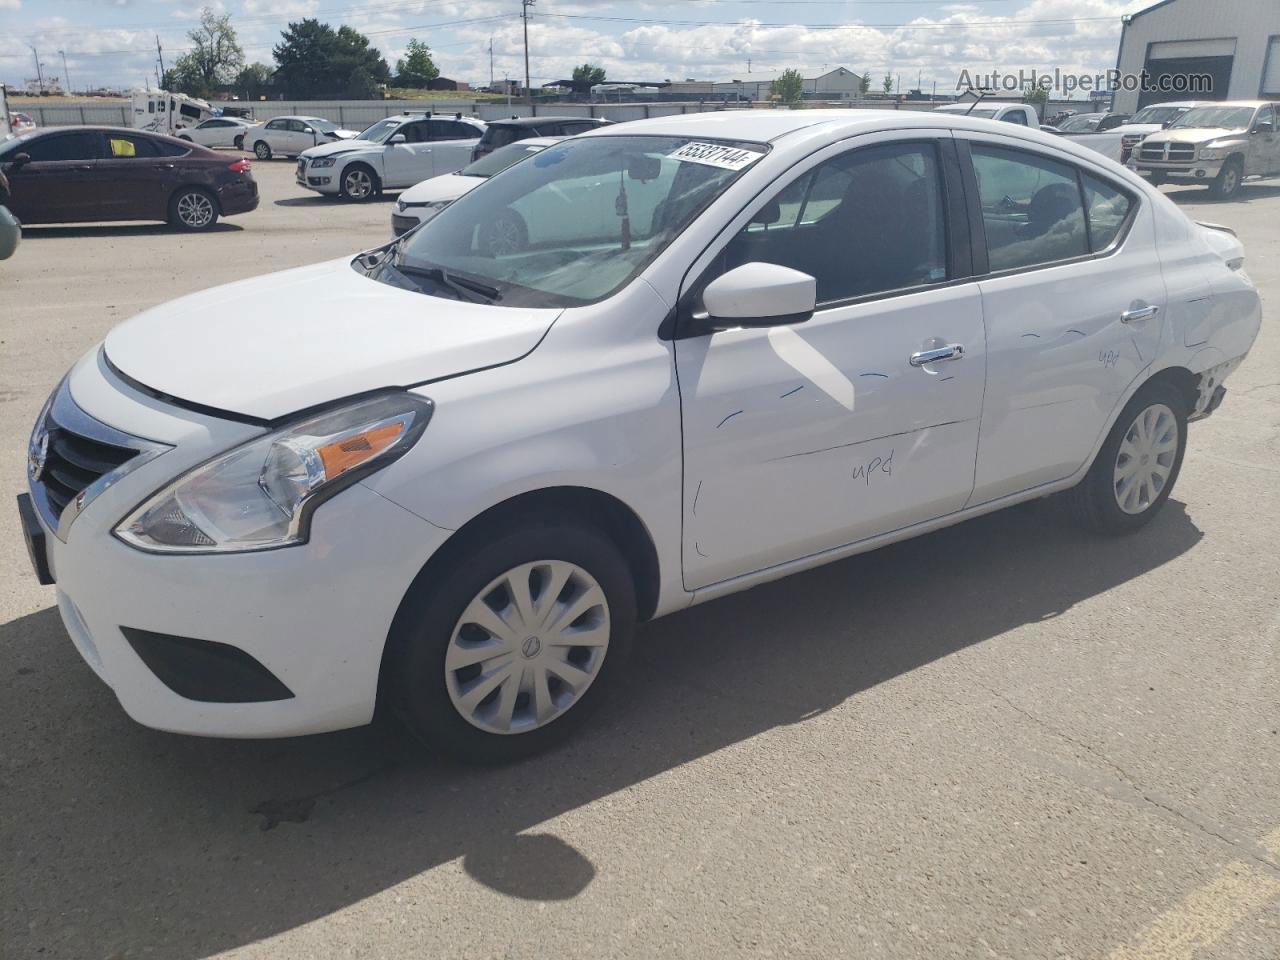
[1010,22]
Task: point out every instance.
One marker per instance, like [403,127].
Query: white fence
[358,114]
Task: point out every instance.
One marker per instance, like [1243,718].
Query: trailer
[164,112]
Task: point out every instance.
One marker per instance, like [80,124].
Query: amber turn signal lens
[341,455]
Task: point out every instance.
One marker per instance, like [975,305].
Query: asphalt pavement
[1008,739]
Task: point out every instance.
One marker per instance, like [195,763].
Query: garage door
[1271,72]
[1180,59]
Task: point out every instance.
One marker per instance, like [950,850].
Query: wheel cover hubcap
[527,647]
[506,237]
[1145,458]
[358,183]
[194,209]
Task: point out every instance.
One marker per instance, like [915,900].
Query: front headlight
[319,162]
[262,494]
[1212,151]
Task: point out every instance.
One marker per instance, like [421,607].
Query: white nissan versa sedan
[455,479]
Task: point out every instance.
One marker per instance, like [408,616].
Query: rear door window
[1107,208]
[1031,208]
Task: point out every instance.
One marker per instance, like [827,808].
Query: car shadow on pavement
[1247,193]
[123,230]
[121,839]
[324,200]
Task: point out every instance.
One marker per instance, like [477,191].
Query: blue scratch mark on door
[697,493]
[790,392]
[1036,335]
[945,379]
[885,375]
[1139,349]
[699,549]
[727,419]
[1074,330]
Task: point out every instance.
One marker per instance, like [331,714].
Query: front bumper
[1179,170]
[322,180]
[313,616]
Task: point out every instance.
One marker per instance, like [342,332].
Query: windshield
[1157,114]
[500,159]
[574,224]
[379,131]
[324,126]
[1228,118]
[1080,124]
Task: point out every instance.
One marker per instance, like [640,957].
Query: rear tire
[1139,462]
[238,142]
[504,234]
[261,150]
[193,208]
[1227,183]
[536,687]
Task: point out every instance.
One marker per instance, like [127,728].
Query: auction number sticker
[716,155]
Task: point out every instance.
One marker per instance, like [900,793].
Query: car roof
[1252,104]
[537,121]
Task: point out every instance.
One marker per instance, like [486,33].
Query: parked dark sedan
[79,174]
[499,133]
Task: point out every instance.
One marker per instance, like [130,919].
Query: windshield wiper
[466,289]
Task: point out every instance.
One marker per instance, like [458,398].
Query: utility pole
[66,74]
[39,72]
[524,15]
[160,55]
[748,64]
[490,61]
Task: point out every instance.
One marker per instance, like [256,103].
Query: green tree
[887,84]
[1038,97]
[865,83]
[214,57]
[314,60]
[416,69]
[253,80]
[589,74]
[788,86]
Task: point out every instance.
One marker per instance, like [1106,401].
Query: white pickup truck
[1019,113]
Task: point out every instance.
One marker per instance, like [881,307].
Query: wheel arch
[208,191]
[1181,379]
[602,510]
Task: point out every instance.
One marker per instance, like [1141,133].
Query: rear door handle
[952,351]
[1138,314]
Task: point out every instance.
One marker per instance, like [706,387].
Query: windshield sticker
[716,155]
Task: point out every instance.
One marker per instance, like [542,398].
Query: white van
[163,112]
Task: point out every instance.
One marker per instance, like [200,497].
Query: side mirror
[396,138]
[1264,126]
[759,295]
[308,130]
[19,160]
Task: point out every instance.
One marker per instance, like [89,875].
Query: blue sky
[112,42]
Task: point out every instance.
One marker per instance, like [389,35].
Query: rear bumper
[238,197]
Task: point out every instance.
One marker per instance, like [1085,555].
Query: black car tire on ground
[1227,183]
[1094,502]
[421,634]
[262,150]
[238,142]
[351,176]
[193,208]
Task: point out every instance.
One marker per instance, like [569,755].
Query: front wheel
[358,183]
[1227,183]
[505,234]
[193,209]
[262,150]
[509,650]
[1138,464]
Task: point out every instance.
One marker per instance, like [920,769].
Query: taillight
[240,166]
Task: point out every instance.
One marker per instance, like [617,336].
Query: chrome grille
[1152,152]
[72,458]
[1182,151]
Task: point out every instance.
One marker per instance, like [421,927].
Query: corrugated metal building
[1235,42]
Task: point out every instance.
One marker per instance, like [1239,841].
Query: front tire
[1135,470]
[1227,183]
[508,651]
[505,234]
[359,183]
[194,209]
[261,150]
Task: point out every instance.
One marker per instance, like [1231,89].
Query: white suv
[393,153]
[728,347]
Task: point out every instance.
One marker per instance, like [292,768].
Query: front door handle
[1138,314]
[952,351]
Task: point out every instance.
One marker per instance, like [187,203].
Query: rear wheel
[359,183]
[193,208]
[1136,468]
[509,650]
[1227,183]
[505,234]
[238,142]
[261,149]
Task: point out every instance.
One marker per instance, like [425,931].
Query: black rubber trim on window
[973,203]
[959,237]
[205,671]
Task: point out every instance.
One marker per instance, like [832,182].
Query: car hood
[341,146]
[283,342]
[449,187]
[1131,128]
[1194,135]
